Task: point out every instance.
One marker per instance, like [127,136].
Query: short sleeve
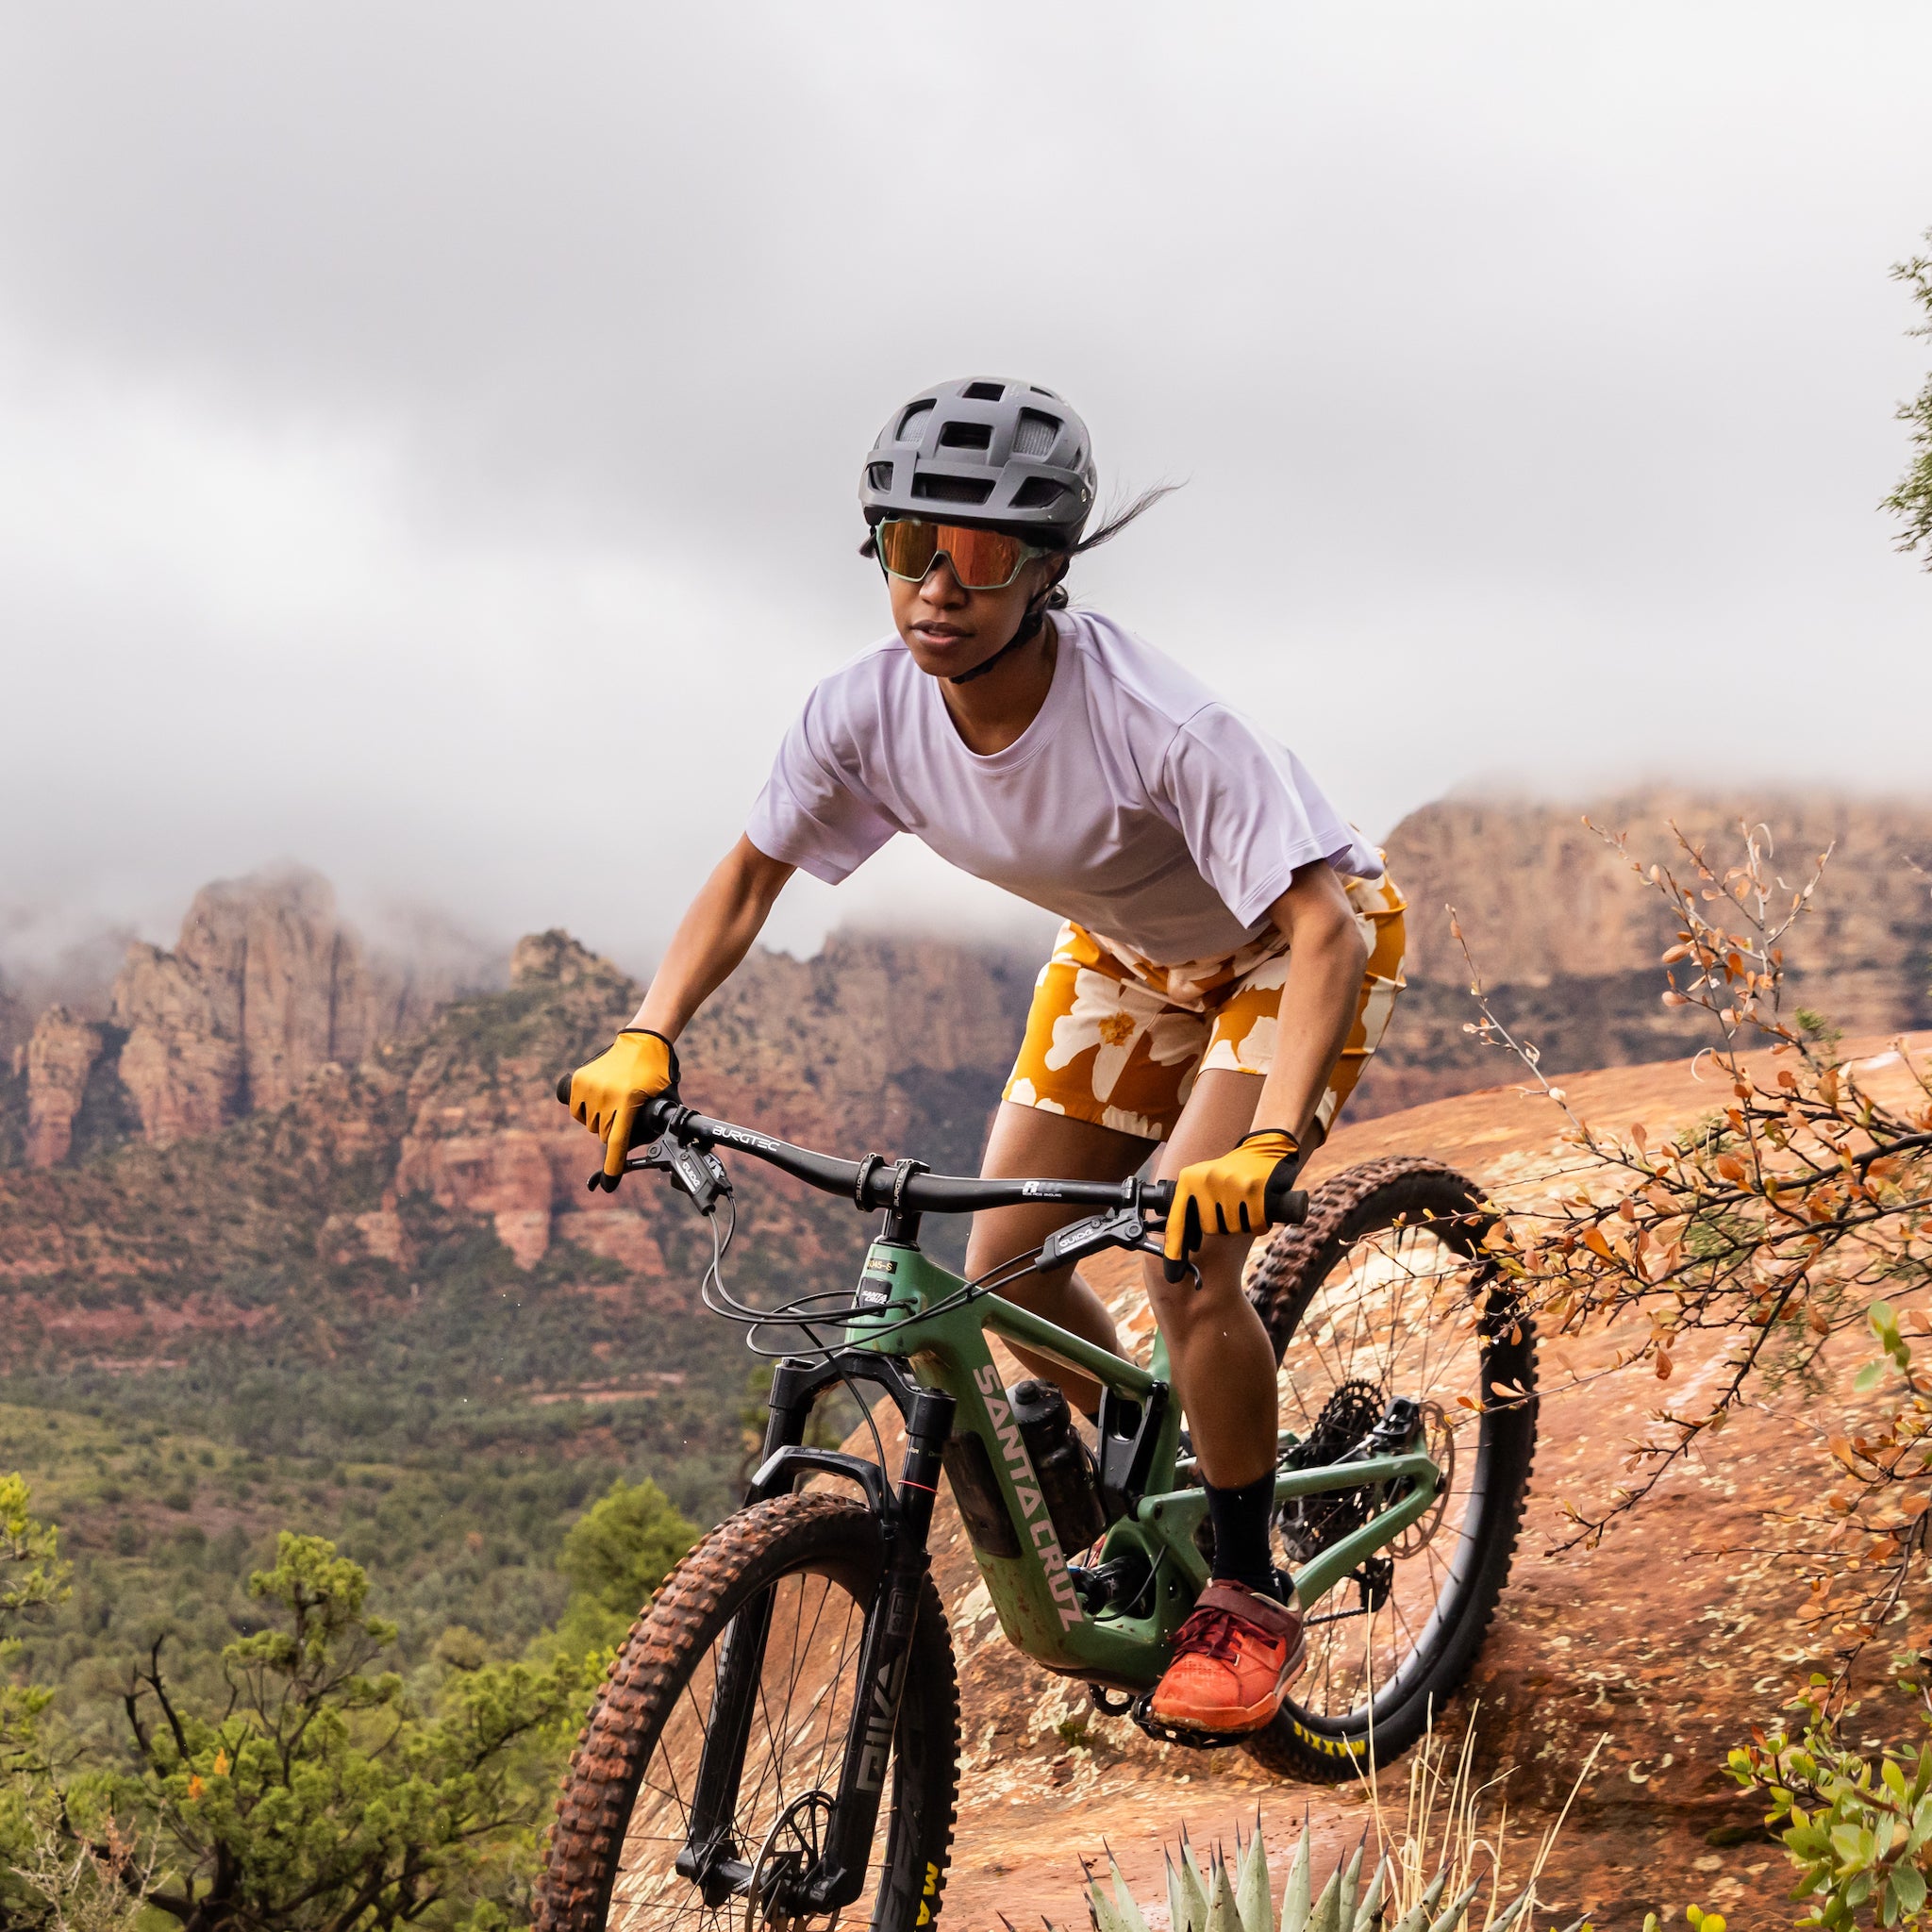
[1252,815]
[815,812]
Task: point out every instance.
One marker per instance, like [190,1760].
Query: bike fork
[709,1857]
[884,1658]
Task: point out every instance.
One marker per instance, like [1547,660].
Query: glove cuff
[670,1048]
[1260,1133]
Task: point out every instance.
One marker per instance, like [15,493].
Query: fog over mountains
[267,983]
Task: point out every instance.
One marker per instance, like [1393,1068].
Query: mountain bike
[777,1741]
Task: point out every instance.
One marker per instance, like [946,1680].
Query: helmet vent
[953,489]
[909,421]
[984,391]
[1037,434]
[966,436]
[879,475]
[1037,492]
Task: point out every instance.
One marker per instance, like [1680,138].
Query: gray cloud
[430,432]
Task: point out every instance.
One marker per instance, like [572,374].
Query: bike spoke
[1392,1316]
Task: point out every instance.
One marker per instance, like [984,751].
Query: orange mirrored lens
[906,548]
[981,559]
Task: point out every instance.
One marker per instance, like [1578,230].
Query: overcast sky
[429,435]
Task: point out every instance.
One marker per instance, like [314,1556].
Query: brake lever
[1125,1228]
[697,1173]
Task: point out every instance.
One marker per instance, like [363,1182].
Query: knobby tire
[1387,1199]
[819,1533]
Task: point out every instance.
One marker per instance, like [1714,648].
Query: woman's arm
[712,938]
[1326,959]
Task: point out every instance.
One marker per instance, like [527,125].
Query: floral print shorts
[1114,1038]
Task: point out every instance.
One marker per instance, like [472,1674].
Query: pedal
[1146,1722]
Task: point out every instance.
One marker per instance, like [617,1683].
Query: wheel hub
[786,1860]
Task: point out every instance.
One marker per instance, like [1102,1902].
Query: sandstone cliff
[1567,941]
[265,985]
[60,1056]
[900,1043]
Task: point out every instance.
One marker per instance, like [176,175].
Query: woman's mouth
[941,633]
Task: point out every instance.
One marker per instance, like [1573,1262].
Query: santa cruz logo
[1032,1505]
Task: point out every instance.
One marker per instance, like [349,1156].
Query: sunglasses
[981,559]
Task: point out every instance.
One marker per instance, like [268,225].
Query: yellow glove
[605,1095]
[1229,1195]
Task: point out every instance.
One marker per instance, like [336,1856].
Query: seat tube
[883,1656]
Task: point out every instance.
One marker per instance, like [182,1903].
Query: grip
[1285,1206]
[563,1081]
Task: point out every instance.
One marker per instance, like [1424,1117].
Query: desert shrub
[616,1554]
[1911,502]
[1794,1219]
[315,1792]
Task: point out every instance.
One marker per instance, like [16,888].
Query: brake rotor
[789,1854]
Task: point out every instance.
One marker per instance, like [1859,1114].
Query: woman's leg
[1222,1362]
[1026,1141]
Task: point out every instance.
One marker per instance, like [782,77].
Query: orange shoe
[1233,1661]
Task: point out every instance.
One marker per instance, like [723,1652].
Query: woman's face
[949,629]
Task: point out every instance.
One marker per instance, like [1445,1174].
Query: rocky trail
[1666,1643]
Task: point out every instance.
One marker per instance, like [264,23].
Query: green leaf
[1366,1913]
[1327,1917]
[1450,1917]
[1295,1899]
[1253,1899]
[1868,1377]
[1909,1882]
[1126,1910]
[1177,1909]
[1223,1913]
[1351,1881]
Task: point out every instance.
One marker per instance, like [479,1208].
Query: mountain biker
[1231,952]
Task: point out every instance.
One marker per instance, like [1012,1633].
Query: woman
[1225,967]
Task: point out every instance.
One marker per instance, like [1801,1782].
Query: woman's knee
[1207,1298]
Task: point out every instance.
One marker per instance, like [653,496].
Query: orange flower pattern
[1115,1039]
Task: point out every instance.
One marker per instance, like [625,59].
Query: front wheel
[803,1571]
[1386,1291]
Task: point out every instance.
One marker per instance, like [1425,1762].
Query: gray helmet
[985,450]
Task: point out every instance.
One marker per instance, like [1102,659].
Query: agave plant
[1238,1895]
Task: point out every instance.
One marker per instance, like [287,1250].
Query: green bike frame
[1039,1607]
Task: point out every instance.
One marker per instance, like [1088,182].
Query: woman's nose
[940,586]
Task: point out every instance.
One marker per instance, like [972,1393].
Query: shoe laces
[1215,1633]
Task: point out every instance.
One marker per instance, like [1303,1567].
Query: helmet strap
[1030,629]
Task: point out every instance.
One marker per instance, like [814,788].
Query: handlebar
[877,1183]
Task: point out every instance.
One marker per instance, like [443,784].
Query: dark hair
[1111,528]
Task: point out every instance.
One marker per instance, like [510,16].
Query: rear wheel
[1385,1292]
[813,1563]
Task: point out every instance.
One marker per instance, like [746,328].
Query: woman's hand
[1229,1195]
[607,1094]
[711,937]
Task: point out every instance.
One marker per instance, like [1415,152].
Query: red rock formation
[265,985]
[1567,938]
[1541,897]
[60,1056]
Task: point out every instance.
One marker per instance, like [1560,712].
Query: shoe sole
[1234,1720]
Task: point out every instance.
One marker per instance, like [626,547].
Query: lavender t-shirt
[1136,803]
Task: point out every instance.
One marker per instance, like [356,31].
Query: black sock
[1241,1519]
